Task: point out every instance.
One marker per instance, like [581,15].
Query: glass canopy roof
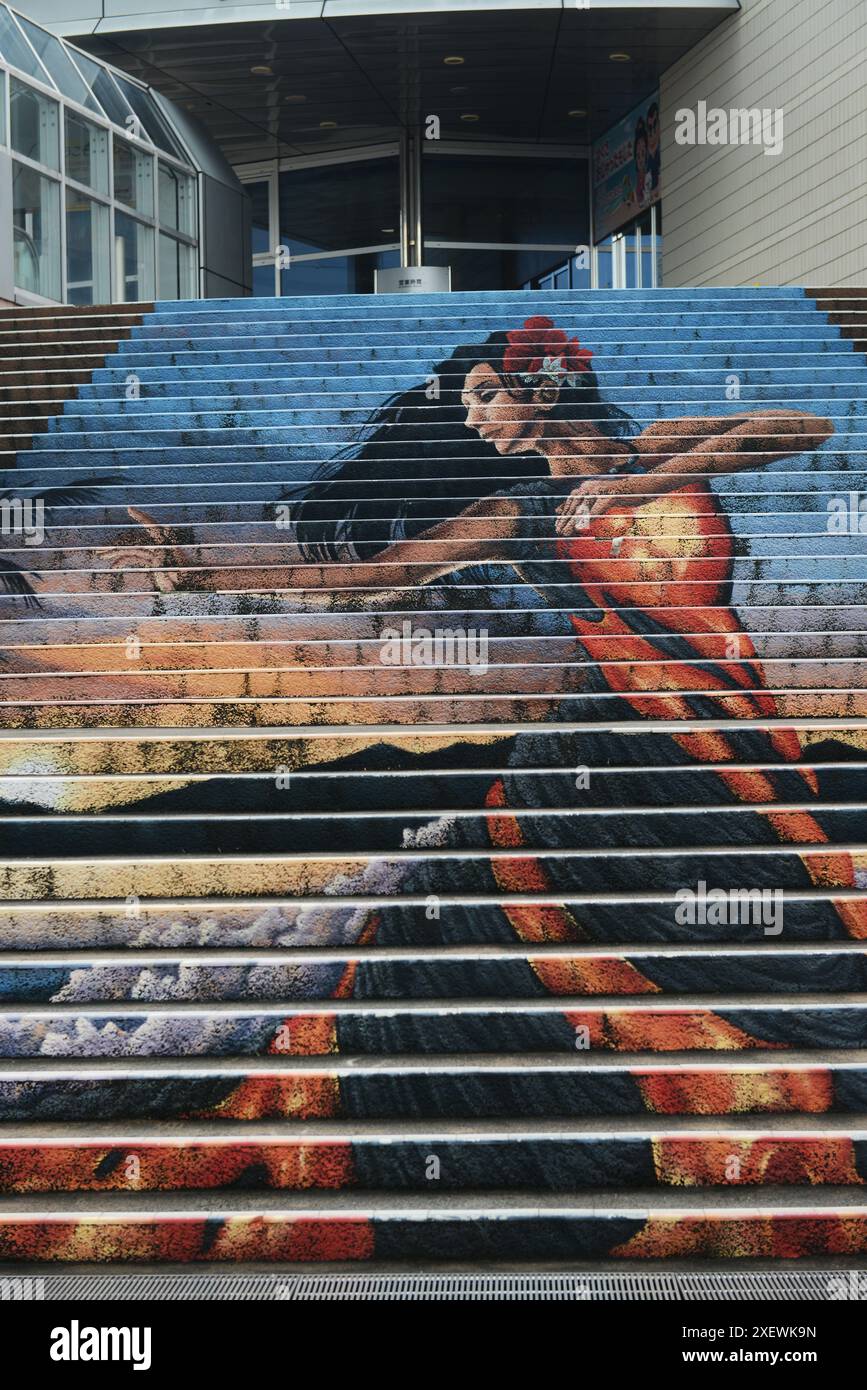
[80,78]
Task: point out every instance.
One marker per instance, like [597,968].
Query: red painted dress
[647,591]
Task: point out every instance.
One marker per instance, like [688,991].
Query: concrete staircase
[304,958]
[46,355]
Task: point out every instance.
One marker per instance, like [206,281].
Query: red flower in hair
[540,352]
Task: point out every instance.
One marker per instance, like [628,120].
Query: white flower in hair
[553,370]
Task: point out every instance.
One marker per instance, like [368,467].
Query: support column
[7,235]
[411,234]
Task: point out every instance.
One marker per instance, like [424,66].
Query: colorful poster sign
[626,169]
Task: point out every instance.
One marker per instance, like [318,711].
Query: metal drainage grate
[819,1285]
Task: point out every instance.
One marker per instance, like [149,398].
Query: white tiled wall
[735,216]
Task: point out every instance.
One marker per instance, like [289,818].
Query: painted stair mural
[433,771]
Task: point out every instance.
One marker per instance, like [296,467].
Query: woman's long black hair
[418,463]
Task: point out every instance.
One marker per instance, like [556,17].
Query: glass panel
[34,120]
[608,272]
[604,266]
[569,276]
[505,198]
[2,107]
[16,51]
[478,269]
[86,152]
[88,262]
[36,229]
[259,198]
[337,274]
[177,200]
[340,205]
[145,108]
[106,93]
[134,259]
[55,58]
[579,276]
[264,280]
[481,269]
[177,269]
[168,278]
[133,176]
[90,72]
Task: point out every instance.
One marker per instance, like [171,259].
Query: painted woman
[621,532]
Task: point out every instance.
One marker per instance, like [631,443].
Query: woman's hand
[595,496]
[159,563]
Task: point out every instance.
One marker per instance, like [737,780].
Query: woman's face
[510,420]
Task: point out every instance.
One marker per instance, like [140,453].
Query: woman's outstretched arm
[673,451]
[477,535]
[729,442]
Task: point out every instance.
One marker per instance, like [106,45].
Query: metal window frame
[169,234]
[144,144]
[82,192]
[84,187]
[506,149]
[557,246]
[13,75]
[269,171]
[628,246]
[52,176]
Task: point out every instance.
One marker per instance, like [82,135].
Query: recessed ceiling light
[262,70]
[620,57]
[456,91]
[469,116]
[578,113]
[454,60]
[327,125]
[295,98]
[386,229]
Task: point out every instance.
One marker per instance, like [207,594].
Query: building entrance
[501,216]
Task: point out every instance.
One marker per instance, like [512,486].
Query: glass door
[501,219]
[631,259]
[505,219]
[324,226]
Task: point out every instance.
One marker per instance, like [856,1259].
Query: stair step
[415,923]
[126,1162]
[423,974]
[292,712]
[837,389]
[441,872]
[75,312]
[513,1089]
[479,1234]
[420,1028]
[674,831]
